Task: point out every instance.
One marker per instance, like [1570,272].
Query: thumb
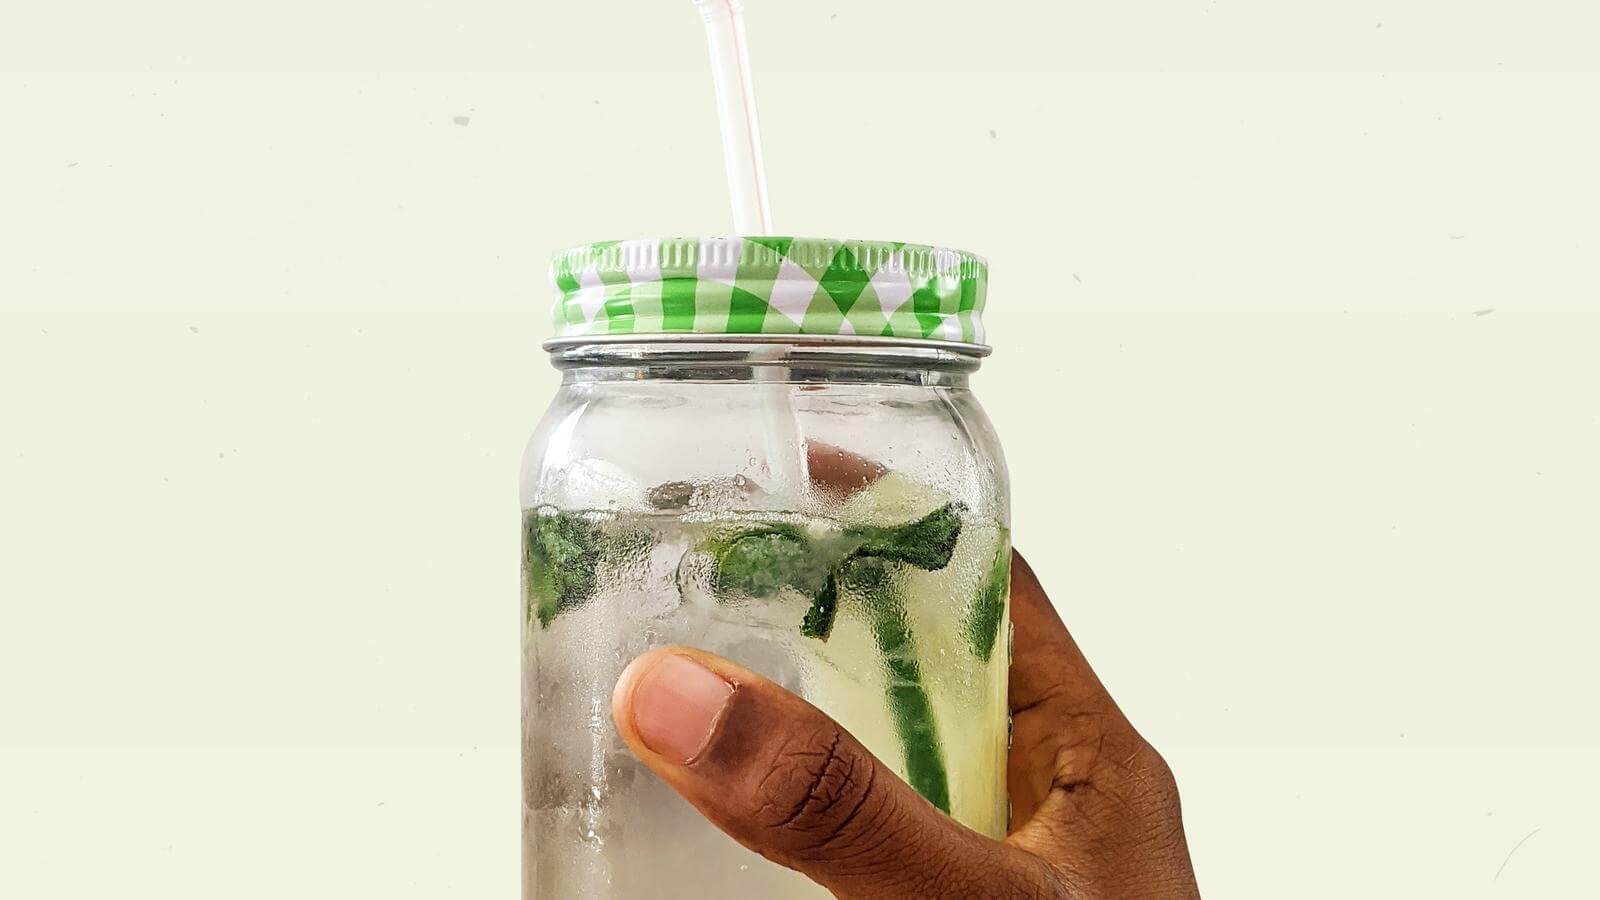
[788,782]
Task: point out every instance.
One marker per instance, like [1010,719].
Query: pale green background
[1308,455]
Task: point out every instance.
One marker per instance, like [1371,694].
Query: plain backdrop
[1296,309]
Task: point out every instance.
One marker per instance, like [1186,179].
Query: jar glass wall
[662,505]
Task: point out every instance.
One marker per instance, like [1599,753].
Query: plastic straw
[747,188]
[736,110]
[786,446]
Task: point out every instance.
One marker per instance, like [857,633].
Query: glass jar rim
[826,341]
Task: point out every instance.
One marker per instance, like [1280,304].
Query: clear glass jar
[873,584]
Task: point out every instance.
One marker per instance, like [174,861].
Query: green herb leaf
[927,543]
[560,552]
[818,622]
[983,621]
[872,579]
[762,562]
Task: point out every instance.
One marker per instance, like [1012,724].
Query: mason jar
[765,448]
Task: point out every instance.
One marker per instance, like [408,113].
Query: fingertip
[668,702]
[622,693]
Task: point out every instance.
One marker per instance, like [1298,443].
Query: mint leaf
[927,543]
[818,622]
[762,562]
[871,578]
[983,620]
[560,553]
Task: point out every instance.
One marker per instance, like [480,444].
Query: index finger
[1062,717]
[1046,665]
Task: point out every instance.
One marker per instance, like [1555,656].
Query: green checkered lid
[769,285]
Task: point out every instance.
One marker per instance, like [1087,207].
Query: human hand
[1094,809]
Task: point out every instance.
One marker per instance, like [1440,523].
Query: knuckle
[1151,777]
[1118,767]
[818,793]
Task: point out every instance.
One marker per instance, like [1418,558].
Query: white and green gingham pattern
[769,285]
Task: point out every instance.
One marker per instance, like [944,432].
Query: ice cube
[700,584]
[597,484]
[760,650]
[728,492]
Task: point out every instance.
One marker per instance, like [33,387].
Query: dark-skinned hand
[1094,809]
